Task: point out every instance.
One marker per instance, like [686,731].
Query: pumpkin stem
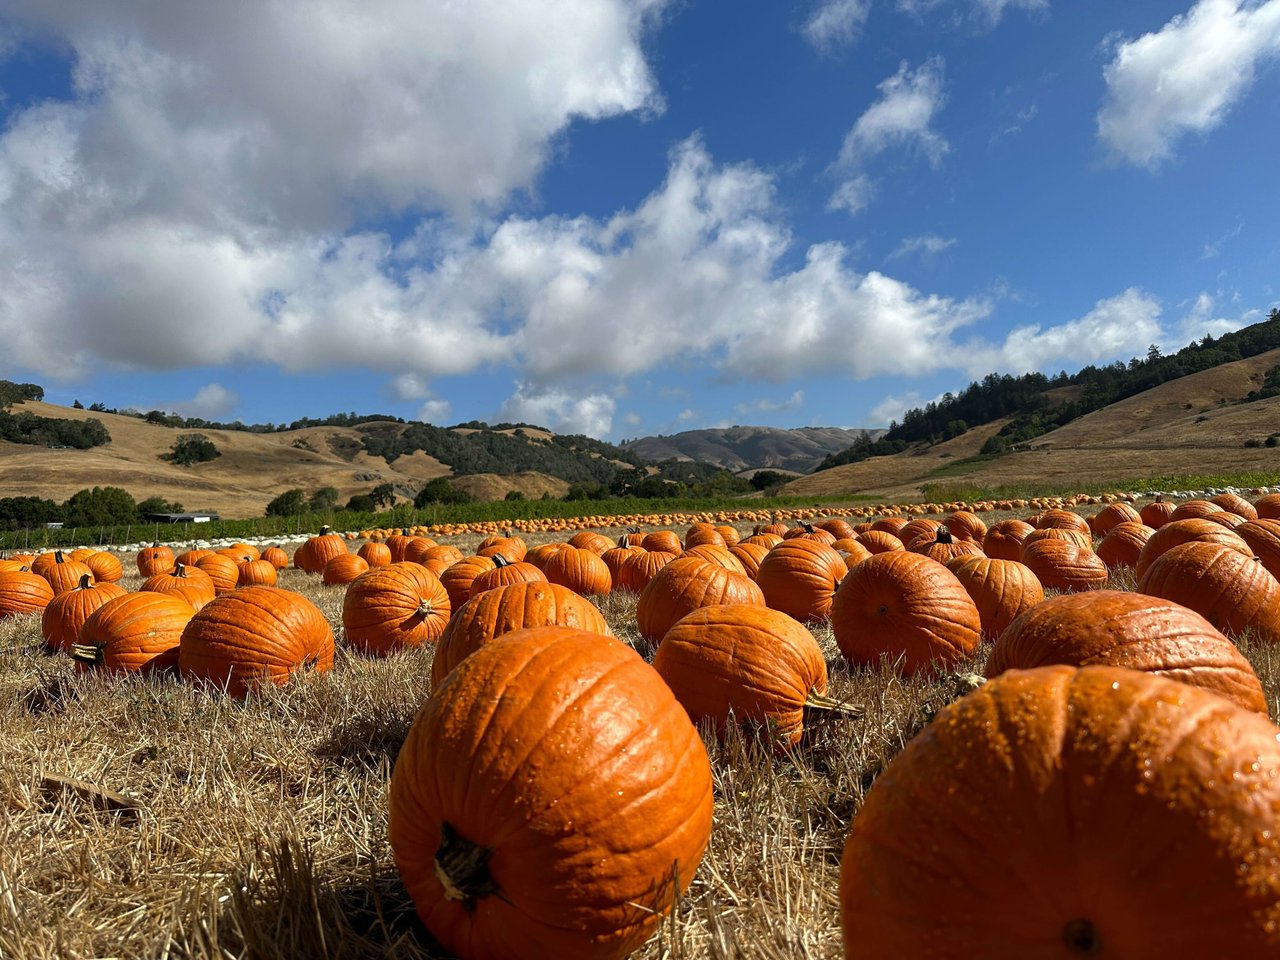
[831,706]
[500,561]
[462,867]
[944,535]
[180,570]
[324,530]
[86,653]
[86,581]
[1081,936]
[57,557]
[424,608]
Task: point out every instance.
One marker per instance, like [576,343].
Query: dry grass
[260,827]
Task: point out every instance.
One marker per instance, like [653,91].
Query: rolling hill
[739,449]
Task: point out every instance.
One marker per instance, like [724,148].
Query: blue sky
[623,217]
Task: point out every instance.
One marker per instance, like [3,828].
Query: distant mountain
[798,450]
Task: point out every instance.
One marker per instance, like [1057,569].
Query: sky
[623,217]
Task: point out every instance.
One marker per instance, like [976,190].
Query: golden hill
[1192,425]
[253,469]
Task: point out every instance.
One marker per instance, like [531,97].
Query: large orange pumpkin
[1106,812]
[339,570]
[135,632]
[1003,540]
[22,591]
[880,541]
[105,566]
[255,635]
[580,569]
[1177,532]
[1112,515]
[642,567]
[320,549]
[393,607]
[1263,538]
[63,573]
[1123,544]
[460,575]
[506,609]
[505,572]
[190,583]
[552,800]
[1062,565]
[1000,589]
[684,585]
[66,613]
[907,608]
[1234,592]
[799,577]
[223,571]
[1157,513]
[1116,629]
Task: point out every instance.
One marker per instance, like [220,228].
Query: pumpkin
[105,567]
[188,558]
[437,559]
[243,549]
[809,532]
[944,547]
[255,635]
[1081,540]
[66,613]
[260,573]
[580,569]
[552,799]
[134,633]
[505,572]
[1234,503]
[1063,520]
[1061,565]
[190,583]
[1003,540]
[614,559]
[702,533]
[513,607]
[223,571]
[459,577]
[341,570]
[852,551]
[767,540]
[840,529]
[1177,532]
[154,559]
[756,664]
[921,528]
[880,541]
[22,591]
[750,555]
[964,525]
[1000,589]
[799,577]
[905,607]
[1232,590]
[1116,629]
[1112,515]
[684,585]
[891,525]
[1105,811]
[320,549]
[663,541]
[376,554]
[1189,509]
[1263,538]
[597,543]
[720,556]
[1267,506]
[1157,513]
[397,543]
[1123,544]
[777,528]
[276,557]
[514,548]
[393,607]
[640,568]
[417,550]
[63,573]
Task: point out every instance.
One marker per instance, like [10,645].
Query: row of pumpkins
[554,797]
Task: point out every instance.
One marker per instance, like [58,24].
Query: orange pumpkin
[684,585]
[1232,590]
[1123,544]
[1157,513]
[104,566]
[799,577]
[66,613]
[1003,541]
[880,541]
[503,573]
[223,571]
[134,633]
[154,559]
[376,554]
[22,591]
[580,569]
[1000,589]
[190,583]
[393,607]
[1177,532]
[1062,565]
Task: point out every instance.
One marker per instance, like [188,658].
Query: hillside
[1197,424]
[739,449]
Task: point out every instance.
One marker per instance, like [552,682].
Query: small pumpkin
[340,570]
[393,607]
[505,572]
[105,567]
[376,554]
[66,613]
[1004,538]
[1157,513]
[154,559]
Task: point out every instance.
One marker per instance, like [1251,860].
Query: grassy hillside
[740,449]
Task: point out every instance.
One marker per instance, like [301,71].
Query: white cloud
[561,410]
[929,245]
[765,405]
[1185,78]
[1213,248]
[435,411]
[902,117]
[409,386]
[893,407]
[211,402]
[685,415]
[632,419]
[1200,320]
[987,13]
[835,23]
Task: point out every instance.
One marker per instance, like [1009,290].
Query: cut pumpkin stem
[832,706]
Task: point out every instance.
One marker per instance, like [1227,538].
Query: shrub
[288,504]
[191,448]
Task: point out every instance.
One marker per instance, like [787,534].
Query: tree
[101,506]
[514,495]
[764,479]
[440,490]
[323,499]
[383,495]
[158,505]
[288,504]
[19,512]
[192,448]
[361,503]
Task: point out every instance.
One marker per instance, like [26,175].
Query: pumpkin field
[1023,728]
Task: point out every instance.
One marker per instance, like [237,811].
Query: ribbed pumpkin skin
[921,528]
[66,613]
[138,632]
[1061,565]
[1123,544]
[702,533]
[643,567]
[1263,538]
[460,575]
[1077,799]
[277,557]
[185,581]
[513,548]
[223,571]
[664,541]
[1063,520]
[341,570]
[892,525]
[1234,592]
[64,573]
[838,528]
[319,550]
[507,609]
[22,591]
[684,585]
[566,754]
[255,635]
[906,606]
[376,554]
[750,555]
[580,569]
[729,535]
[590,540]
[393,607]
[1000,589]
[503,574]
[1111,628]
[1112,515]
[154,559]
[1065,534]
[944,550]
[756,662]
[720,556]
[799,577]
[106,567]
[1157,513]
[1003,540]
[1267,506]
[1194,508]
[1234,503]
[880,541]
[1177,532]
[810,532]
[965,525]
[397,543]
[852,551]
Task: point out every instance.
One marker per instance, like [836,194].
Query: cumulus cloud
[835,23]
[891,408]
[765,405]
[927,245]
[435,411]
[902,117]
[1201,319]
[561,410]
[1184,78]
[213,401]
